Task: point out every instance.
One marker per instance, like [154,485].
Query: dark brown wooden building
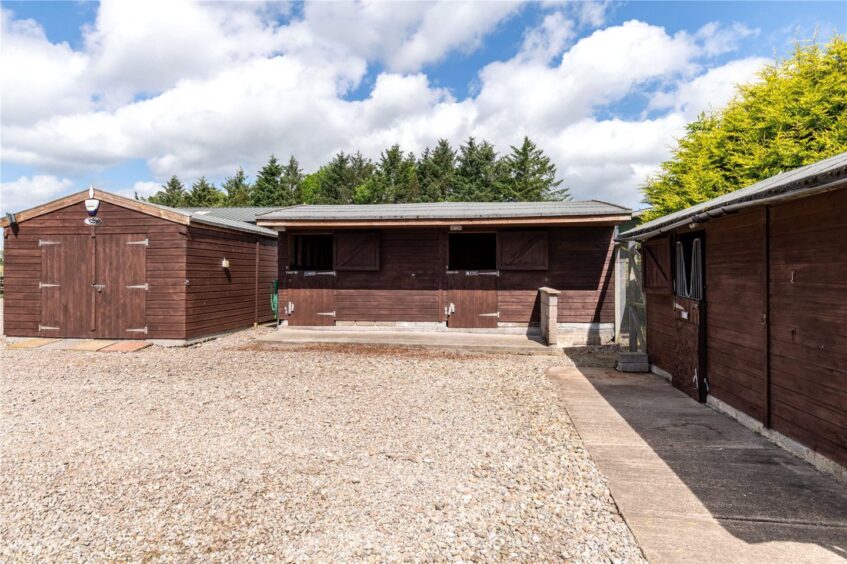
[746,309]
[133,270]
[459,265]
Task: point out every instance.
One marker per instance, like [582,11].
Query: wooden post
[549,315]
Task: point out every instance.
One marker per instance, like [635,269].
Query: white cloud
[26,192]
[234,86]
[711,90]
[142,189]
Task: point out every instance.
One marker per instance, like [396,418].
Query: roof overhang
[570,221]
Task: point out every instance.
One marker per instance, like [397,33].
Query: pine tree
[394,180]
[336,183]
[528,175]
[794,115]
[437,172]
[203,195]
[291,182]
[237,189]
[267,190]
[477,173]
[172,194]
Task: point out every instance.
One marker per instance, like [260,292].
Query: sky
[122,95]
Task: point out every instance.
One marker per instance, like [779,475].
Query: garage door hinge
[145,242]
[46,328]
[43,285]
[43,242]
[142,330]
[144,286]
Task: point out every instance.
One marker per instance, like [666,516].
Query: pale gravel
[214,452]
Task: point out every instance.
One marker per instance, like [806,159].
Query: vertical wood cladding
[219,299]
[735,328]
[165,299]
[410,284]
[808,322]
[775,351]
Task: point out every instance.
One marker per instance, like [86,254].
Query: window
[472,251]
[311,252]
[688,274]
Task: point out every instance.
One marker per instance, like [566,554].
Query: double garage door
[93,287]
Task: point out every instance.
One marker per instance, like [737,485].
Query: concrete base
[632,362]
[695,486]
[443,340]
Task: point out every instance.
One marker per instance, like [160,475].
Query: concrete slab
[126,346]
[33,343]
[90,345]
[693,484]
[448,340]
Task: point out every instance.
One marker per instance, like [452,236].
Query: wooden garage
[745,304]
[453,265]
[98,265]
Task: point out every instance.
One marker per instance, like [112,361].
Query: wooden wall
[165,300]
[658,292]
[808,322]
[580,265]
[776,341]
[735,298]
[219,299]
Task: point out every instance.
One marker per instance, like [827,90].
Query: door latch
[289,308]
[98,287]
[450,309]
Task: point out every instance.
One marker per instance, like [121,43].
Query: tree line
[474,173]
[795,114]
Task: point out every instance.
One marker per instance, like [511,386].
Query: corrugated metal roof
[210,219]
[445,210]
[247,214]
[792,182]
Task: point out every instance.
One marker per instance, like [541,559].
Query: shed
[448,265]
[745,305]
[129,269]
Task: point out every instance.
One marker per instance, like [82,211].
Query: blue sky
[124,96]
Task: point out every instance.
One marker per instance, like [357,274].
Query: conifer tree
[237,189]
[203,195]
[528,175]
[337,182]
[437,172]
[291,182]
[172,194]
[267,190]
[794,115]
[477,173]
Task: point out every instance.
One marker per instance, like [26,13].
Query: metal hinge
[318,273]
[142,330]
[332,313]
[495,314]
[145,242]
[43,285]
[144,286]
[46,328]
[43,242]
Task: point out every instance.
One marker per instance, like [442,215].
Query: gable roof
[435,213]
[796,183]
[176,215]
[245,214]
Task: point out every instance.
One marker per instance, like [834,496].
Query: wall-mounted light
[225,263]
[692,225]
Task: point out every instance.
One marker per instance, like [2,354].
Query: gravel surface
[224,452]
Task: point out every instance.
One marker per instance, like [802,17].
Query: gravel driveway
[221,452]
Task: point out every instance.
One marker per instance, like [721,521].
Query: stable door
[310,298]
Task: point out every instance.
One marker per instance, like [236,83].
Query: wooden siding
[165,300]
[218,299]
[411,283]
[808,322]
[735,329]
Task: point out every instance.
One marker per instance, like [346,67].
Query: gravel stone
[230,451]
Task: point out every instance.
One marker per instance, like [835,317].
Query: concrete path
[448,340]
[80,345]
[694,485]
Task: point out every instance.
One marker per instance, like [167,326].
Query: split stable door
[93,286]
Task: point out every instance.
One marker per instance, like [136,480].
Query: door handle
[98,287]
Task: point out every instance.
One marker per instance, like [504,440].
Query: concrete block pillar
[549,315]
